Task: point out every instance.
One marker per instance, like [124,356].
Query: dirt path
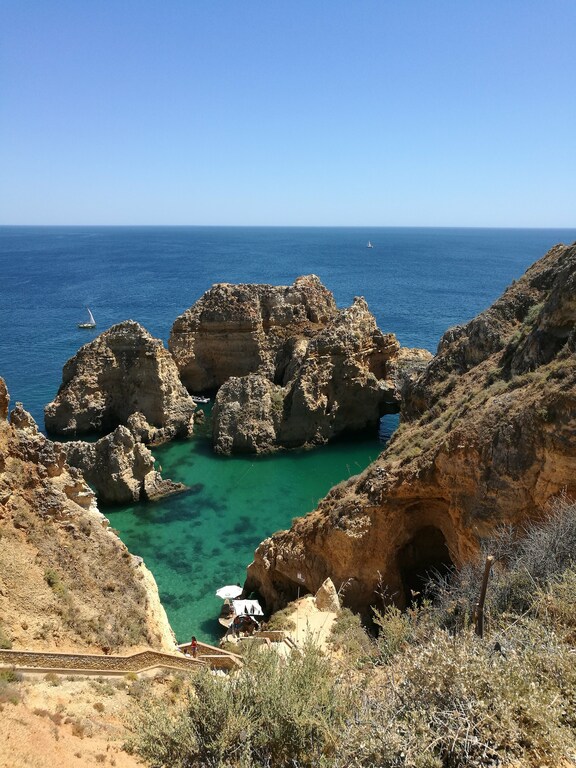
[311,624]
[64,724]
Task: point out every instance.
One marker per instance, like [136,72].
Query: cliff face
[488,436]
[122,373]
[235,330]
[66,580]
[344,378]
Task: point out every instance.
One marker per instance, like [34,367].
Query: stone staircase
[141,664]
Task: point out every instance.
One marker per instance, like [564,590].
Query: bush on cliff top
[422,696]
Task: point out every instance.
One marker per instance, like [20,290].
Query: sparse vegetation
[9,676]
[281,620]
[52,578]
[349,638]
[5,639]
[532,314]
[9,692]
[425,693]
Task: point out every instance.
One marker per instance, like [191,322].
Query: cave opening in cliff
[289,590]
[425,555]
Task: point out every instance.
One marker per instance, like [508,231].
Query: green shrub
[394,631]
[438,699]
[532,314]
[274,712]
[281,620]
[9,676]
[350,638]
[456,702]
[54,581]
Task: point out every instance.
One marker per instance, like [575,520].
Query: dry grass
[425,693]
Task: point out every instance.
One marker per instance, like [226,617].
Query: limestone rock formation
[234,330]
[4,400]
[122,372]
[246,415]
[66,581]
[120,468]
[344,379]
[327,599]
[488,437]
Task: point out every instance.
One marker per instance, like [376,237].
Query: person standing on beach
[194,647]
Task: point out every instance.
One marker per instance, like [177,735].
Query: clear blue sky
[308,112]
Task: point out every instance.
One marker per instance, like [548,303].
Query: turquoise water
[417,282]
[204,539]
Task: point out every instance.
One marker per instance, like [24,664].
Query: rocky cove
[487,438]
[482,441]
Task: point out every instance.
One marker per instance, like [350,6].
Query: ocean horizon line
[289,226]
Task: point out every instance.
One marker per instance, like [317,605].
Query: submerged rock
[487,437]
[124,371]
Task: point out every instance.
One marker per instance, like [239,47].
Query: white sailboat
[369,245]
[91,322]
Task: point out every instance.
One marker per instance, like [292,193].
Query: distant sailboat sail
[91,322]
[369,245]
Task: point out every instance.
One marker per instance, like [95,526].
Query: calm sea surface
[417,282]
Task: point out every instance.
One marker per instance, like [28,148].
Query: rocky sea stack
[120,468]
[234,330]
[292,370]
[124,374]
[487,437]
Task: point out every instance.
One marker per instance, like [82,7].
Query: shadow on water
[211,628]
[244,524]
[172,601]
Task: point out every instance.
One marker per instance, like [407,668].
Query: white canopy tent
[247,608]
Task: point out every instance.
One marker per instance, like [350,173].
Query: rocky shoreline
[487,434]
[66,579]
[487,438]
[290,369]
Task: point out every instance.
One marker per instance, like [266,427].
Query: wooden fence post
[482,599]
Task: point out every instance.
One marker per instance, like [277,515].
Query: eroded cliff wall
[291,369]
[342,379]
[488,436]
[235,330]
[66,580]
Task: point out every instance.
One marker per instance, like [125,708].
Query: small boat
[369,245]
[91,322]
[240,613]
[228,593]
[200,399]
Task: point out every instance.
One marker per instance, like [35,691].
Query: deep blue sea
[417,282]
